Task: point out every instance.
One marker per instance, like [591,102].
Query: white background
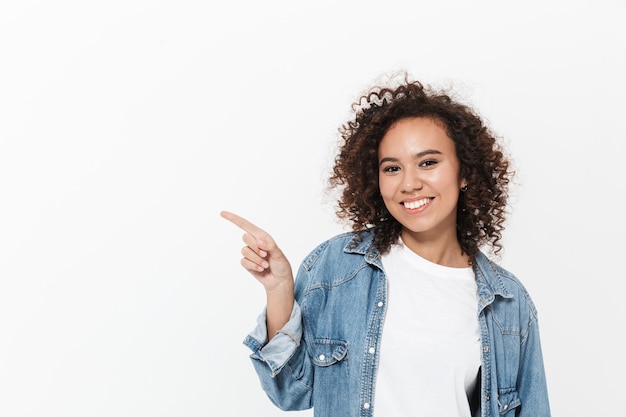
[126,126]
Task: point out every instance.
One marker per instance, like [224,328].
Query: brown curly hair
[480,209]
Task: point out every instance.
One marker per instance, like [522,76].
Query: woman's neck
[442,250]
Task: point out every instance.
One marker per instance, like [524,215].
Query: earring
[464,188]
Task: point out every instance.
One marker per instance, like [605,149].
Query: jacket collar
[489,281]
[362,243]
[489,277]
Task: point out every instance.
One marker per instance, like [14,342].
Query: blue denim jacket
[326,356]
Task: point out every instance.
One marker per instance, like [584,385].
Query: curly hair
[481,208]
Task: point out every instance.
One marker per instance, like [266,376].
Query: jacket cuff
[283,345]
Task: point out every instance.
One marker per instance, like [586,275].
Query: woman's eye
[391,169]
[428,163]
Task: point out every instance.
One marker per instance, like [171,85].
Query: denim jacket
[326,356]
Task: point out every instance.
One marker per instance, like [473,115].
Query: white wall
[126,126]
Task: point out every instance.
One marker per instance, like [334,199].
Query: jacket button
[322,357]
[366,406]
[380,304]
[486,349]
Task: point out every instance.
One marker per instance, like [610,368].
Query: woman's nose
[412,182]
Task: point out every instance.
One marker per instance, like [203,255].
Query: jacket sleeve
[282,364]
[531,385]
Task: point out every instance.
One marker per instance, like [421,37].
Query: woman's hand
[264,259]
[261,256]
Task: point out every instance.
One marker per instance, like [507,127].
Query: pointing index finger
[242,223]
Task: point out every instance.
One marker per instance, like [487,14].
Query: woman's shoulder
[338,241]
[339,246]
[504,282]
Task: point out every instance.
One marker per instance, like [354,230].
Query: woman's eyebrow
[417,156]
[428,152]
[388,159]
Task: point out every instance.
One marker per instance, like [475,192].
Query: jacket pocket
[326,352]
[508,399]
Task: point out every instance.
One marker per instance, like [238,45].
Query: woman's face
[419,177]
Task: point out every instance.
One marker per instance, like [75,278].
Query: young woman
[404,315]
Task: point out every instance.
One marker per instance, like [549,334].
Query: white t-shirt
[430,348]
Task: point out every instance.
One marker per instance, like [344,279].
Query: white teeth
[416,204]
